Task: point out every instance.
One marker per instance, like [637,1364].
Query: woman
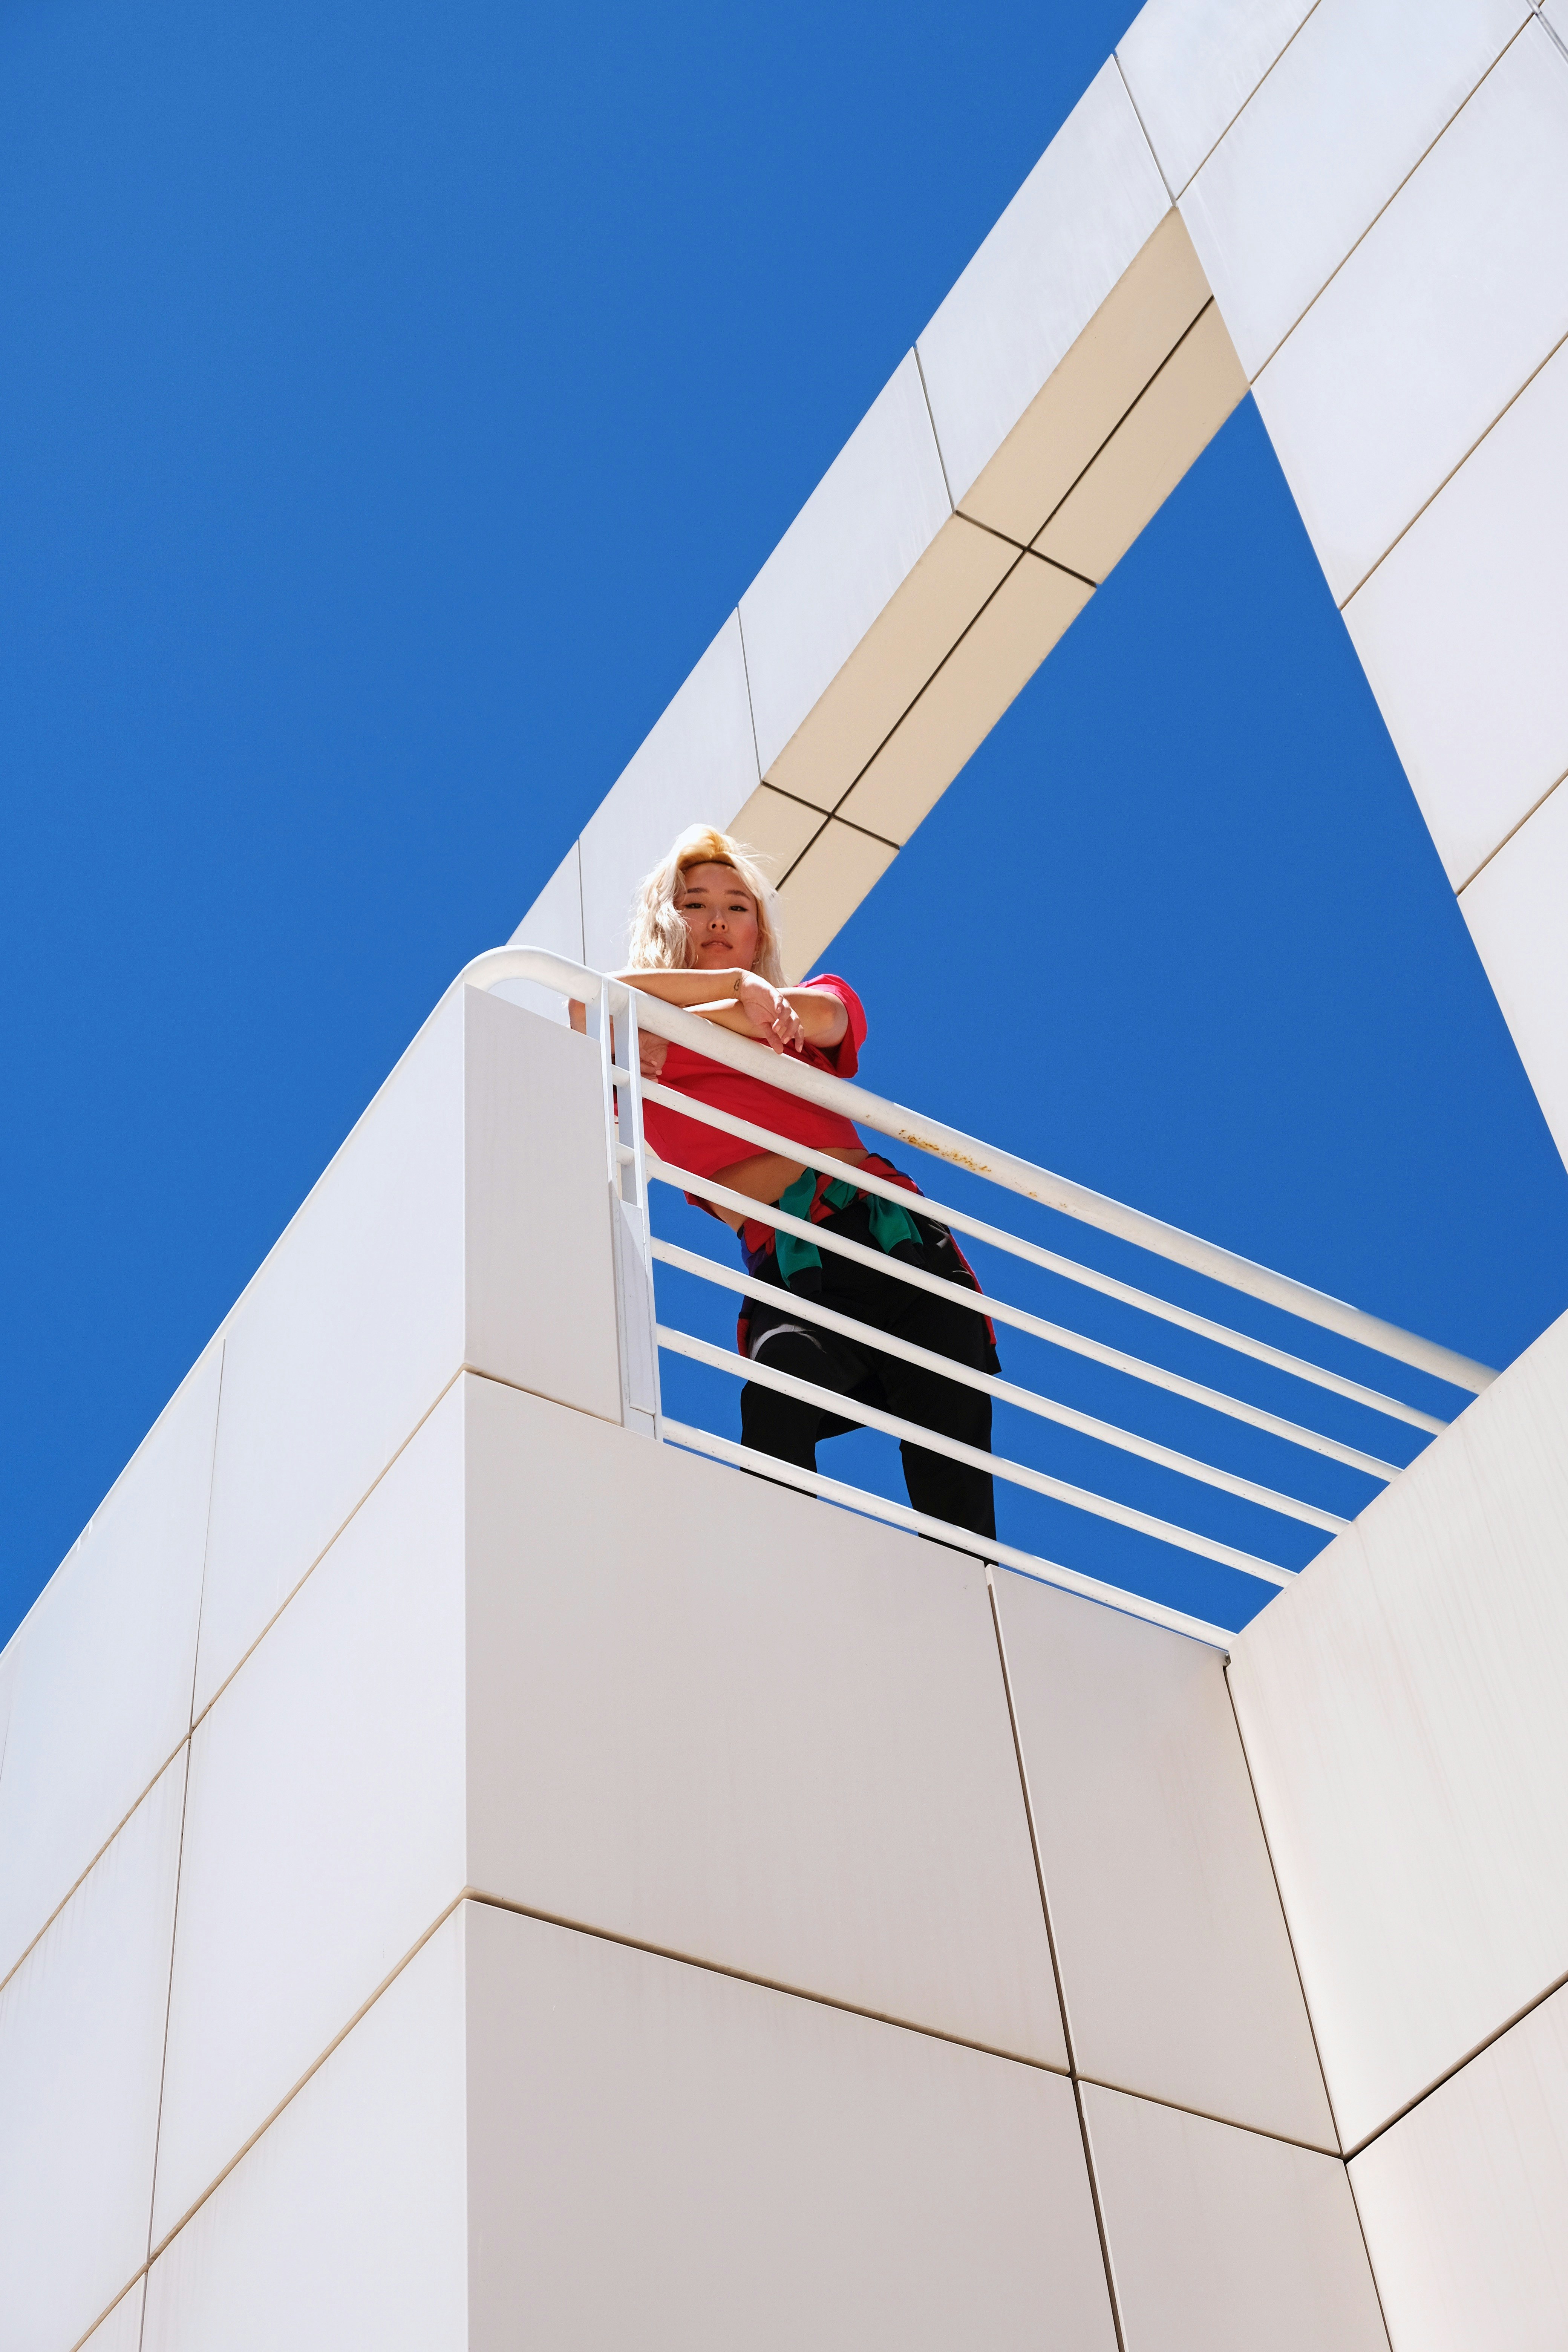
[703,937]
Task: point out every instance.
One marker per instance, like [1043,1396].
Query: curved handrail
[950,1143]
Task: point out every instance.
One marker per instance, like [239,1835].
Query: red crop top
[705,1150]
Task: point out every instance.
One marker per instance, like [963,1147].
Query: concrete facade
[470,1875]
[785,1891]
[582,1834]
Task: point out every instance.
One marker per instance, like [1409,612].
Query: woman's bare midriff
[767,1176]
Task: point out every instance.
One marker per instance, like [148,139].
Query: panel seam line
[348,1520]
[1456,467]
[1027,1794]
[1246,102]
[1513,829]
[1143,127]
[1141,394]
[738,1975]
[936,436]
[1477,2050]
[1396,191]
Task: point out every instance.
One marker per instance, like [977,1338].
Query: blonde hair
[660,939]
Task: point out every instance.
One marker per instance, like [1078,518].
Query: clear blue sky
[394,402]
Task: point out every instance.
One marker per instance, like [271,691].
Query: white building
[438,1906]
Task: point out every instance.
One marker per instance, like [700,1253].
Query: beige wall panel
[840,868]
[778,828]
[1075,227]
[1465,2200]
[893,660]
[104,1697]
[848,553]
[1191,64]
[1402,1706]
[661,2155]
[1164,434]
[82,2046]
[1460,630]
[1516,908]
[781,1746]
[1035,606]
[698,766]
[1083,400]
[1176,1968]
[345,2228]
[1222,2241]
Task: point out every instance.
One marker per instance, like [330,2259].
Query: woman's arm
[687,989]
[742,1000]
[750,1006]
[823,1017]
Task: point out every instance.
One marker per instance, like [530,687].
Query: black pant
[788,1429]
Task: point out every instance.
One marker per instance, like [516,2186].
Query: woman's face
[721,918]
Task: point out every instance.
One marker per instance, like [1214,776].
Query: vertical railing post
[632,1117]
[631,1237]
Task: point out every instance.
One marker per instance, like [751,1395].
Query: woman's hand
[770,1012]
[651,1050]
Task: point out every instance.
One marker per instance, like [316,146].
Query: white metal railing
[617,1014]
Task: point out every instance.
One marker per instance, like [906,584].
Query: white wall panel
[81,2045]
[10,1660]
[1465,2200]
[410,1257]
[764,2170]
[781,1745]
[121,2330]
[699,766]
[1075,227]
[324,1825]
[104,1696]
[1401,1705]
[554,921]
[1516,908]
[860,533]
[1224,2240]
[1191,64]
[341,1343]
[1460,631]
[539,1279]
[1176,1968]
[1348,110]
[1455,295]
[346,2224]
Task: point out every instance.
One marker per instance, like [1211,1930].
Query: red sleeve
[845,1056]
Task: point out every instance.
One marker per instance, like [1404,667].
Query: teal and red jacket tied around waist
[814,1198]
